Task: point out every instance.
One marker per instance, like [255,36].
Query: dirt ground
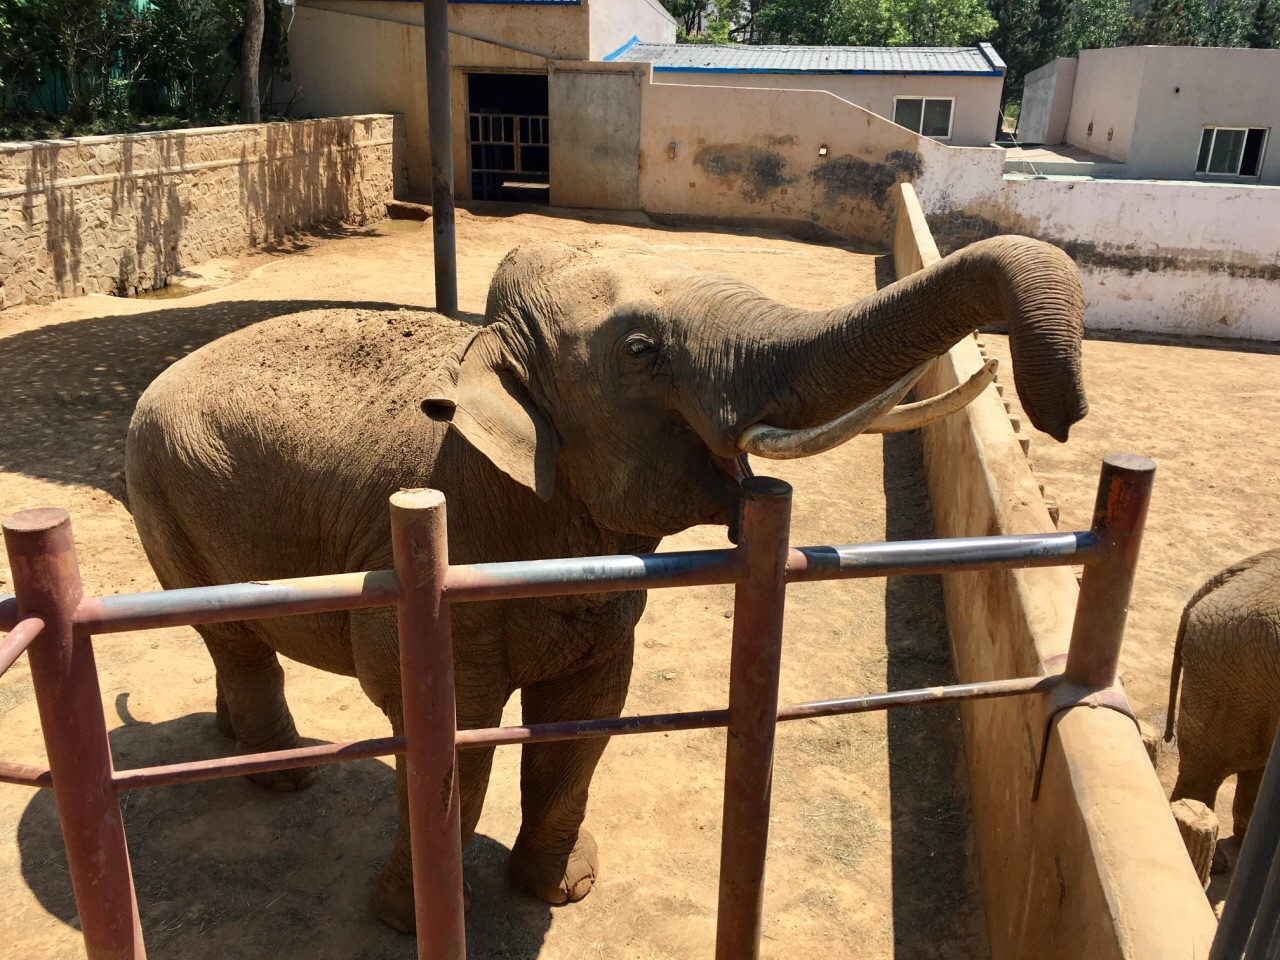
[870,857]
[1205,410]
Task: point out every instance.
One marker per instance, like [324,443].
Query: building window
[929,117]
[1232,151]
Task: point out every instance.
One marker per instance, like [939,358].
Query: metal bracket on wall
[1065,695]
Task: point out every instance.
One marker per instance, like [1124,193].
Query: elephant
[1227,657]
[609,399]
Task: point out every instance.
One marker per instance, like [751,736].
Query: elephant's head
[636,384]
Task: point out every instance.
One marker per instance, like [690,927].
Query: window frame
[951,115]
[1262,153]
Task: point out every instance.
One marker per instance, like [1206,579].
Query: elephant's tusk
[776,443]
[910,416]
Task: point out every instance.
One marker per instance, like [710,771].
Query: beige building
[547,93]
[949,94]
[1186,113]
[521,108]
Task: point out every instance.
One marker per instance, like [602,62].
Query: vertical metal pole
[1124,493]
[435,22]
[46,579]
[758,606]
[1254,870]
[420,548]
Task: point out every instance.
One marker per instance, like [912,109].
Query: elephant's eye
[639,345]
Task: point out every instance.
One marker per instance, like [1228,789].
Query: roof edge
[993,58]
[610,57]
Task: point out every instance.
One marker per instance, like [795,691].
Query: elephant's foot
[281,781]
[556,878]
[393,898]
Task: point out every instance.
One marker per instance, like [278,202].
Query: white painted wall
[1046,102]
[1105,107]
[614,22]
[1215,267]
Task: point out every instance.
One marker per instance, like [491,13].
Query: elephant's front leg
[554,859]
[482,688]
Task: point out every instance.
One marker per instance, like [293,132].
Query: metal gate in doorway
[510,155]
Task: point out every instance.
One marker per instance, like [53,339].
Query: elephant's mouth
[734,469]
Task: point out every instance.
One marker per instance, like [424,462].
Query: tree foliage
[1028,34]
[1264,28]
[1225,23]
[875,23]
[94,60]
[1165,25]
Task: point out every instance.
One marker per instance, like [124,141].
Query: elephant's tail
[1175,675]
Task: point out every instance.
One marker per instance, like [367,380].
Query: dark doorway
[507,136]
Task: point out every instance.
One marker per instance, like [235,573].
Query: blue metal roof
[979,61]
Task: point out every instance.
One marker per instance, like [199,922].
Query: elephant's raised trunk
[845,368]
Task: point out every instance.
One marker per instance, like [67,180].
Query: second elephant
[1227,657]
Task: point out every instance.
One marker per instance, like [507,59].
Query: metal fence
[54,622]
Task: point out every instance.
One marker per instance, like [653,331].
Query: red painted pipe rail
[53,621]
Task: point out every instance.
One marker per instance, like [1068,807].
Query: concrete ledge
[1095,868]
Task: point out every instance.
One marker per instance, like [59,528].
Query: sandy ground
[1205,410]
[871,854]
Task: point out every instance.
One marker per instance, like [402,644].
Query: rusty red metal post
[46,580]
[753,713]
[420,547]
[1119,514]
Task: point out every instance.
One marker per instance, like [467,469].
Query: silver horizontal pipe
[575,575]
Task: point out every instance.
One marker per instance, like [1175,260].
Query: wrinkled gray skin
[585,418]
[1228,656]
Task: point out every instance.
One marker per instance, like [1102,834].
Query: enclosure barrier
[51,619]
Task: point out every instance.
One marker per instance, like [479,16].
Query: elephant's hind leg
[1247,784]
[553,858]
[250,704]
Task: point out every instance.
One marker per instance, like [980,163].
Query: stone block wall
[121,214]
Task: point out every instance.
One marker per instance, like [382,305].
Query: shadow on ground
[70,388]
[935,876]
[224,868]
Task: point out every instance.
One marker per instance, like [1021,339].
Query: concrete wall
[1105,106]
[1046,102]
[614,22]
[1185,89]
[755,154]
[550,30]
[1095,868]
[977,107]
[1158,256]
[1155,101]
[121,214]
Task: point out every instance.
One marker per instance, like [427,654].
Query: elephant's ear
[480,393]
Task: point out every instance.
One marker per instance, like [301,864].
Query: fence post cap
[422,498]
[33,521]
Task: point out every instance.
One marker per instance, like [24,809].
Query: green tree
[1094,25]
[1224,24]
[1264,31]
[1028,34]
[891,23]
[688,14]
[1165,25]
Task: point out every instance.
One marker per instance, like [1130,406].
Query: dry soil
[871,854]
